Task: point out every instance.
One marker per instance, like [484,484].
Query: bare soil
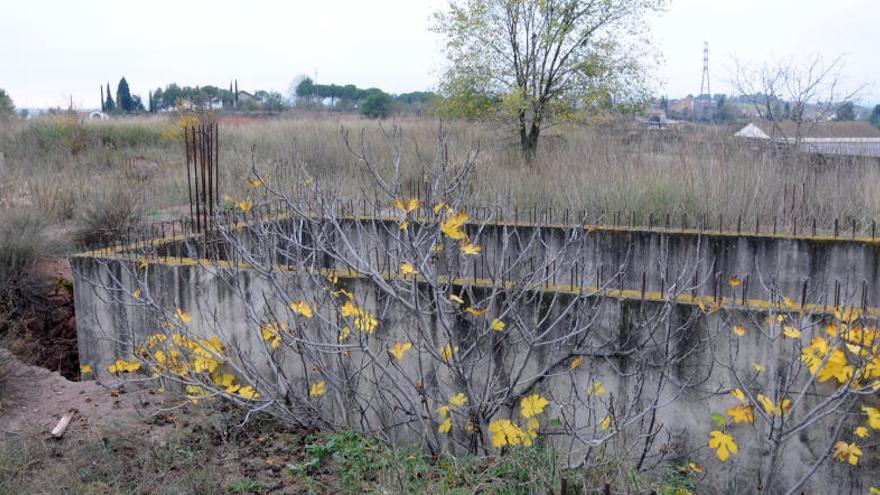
[33,399]
[43,332]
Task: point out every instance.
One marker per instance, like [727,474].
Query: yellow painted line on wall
[710,303]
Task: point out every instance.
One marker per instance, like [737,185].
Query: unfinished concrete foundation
[646,313]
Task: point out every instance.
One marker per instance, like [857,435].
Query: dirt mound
[42,332]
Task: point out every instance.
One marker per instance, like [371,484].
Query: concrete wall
[229,302]
[816,270]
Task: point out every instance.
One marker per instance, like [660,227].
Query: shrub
[22,243]
[107,218]
[377,106]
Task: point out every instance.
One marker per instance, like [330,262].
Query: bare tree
[803,92]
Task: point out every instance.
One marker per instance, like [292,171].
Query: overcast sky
[52,49]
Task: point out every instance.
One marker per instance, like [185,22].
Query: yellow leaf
[439,206]
[301,308]
[498,325]
[532,426]
[477,312]
[407,205]
[366,322]
[789,302]
[183,316]
[309,181]
[318,389]
[532,405]
[723,444]
[85,369]
[470,249]
[399,350]
[576,362]
[438,248]
[143,264]
[245,206]
[596,389]
[873,415]
[741,414]
[408,269]
[847,452]
[458,400]
[791,332]
[343,292]
[447,352]
[248,393]
[122,366]
[758,367]
[696,468]
[456,299]
[445,426]
[739,330]
[733,281]
[224,380]
[271,333]
[504,432]
[605,423]
[780,409]
[873,491]
[344,334]
[443,411]
[452,226]
[739,394]
[259,181]
[404,224]
[862,432]
[136,293]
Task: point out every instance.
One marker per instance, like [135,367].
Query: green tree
[377,106]
[306,88]
[109,106]
[540,61]
[123,97]
[847,111]
[7,107]
[874,118]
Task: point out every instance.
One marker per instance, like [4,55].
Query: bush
[22,243]
[107,219]
[377,106]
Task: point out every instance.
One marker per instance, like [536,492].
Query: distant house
[215,103]
[682,106]
[93,115]
[752,131]
[245,96]
[853,138]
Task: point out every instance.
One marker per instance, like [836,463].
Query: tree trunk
[528,137]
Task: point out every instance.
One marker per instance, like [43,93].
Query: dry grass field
[75,176]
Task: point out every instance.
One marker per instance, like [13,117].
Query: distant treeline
[372,102]
[306,95]
[214,98]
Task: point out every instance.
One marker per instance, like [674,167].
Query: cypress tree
[123,96]
[109,106]
[102,98]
